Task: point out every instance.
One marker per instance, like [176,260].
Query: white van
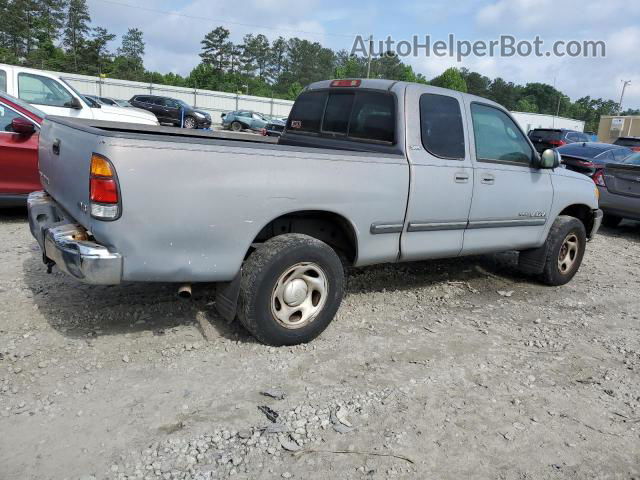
[54,96]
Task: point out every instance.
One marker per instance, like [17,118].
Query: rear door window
[441,126]
[42,91]
[3,81]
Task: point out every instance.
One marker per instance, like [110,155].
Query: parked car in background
[53,95]
[172,111]
[19,133]
[544,138]
[593,136]
[367,171]
[619,185]
[243,120]
[632,142]
[588,158]
[273,128]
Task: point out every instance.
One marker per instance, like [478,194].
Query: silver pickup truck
[366,172]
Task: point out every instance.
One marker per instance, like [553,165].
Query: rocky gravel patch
[449,369]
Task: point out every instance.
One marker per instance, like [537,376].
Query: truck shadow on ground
[627,229]
[83,311]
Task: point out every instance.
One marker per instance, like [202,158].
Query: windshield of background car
[578,150]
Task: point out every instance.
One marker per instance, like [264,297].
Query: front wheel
[236,126]
[290,289]
[189,122]
[565,248]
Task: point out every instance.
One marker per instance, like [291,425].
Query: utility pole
[369,59]
[624,87]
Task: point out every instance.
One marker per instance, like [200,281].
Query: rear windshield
[362,115]
[543,134]
[581,151]
[628,142]
[632,159]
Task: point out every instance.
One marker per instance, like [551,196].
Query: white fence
[529,121]
[211,101]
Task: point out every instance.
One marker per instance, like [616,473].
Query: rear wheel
[236,126]
[290,289]
[611,221]
[565,248]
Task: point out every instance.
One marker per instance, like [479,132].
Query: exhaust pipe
[185,291]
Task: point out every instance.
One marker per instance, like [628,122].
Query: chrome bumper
[67,245]
[597,221]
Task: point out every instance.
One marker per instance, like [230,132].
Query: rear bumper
[67,244]
[619,205]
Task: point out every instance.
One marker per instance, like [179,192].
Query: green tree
[526,104]
[256,51]
[216,49]
[129,62]
[76,28]
[451,79]
[477,84]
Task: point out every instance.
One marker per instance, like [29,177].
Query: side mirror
[74,103]
[22,126]
[550,159]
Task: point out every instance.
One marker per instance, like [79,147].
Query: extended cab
[366,172]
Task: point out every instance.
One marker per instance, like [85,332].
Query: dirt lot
[443,370]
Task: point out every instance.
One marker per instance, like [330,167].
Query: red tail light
[263,132]
[557,143]
[103,189]
[598,178]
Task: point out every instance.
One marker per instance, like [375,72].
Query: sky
[173,30]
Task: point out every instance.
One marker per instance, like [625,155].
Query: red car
[19,132]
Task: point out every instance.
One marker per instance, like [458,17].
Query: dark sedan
[172,111]
[589,157]
[545,138]
[619,186]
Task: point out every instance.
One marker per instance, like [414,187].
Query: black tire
[563,229]
[236,126]
[190,122]
[261,273]
[611,221]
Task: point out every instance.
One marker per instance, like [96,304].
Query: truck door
[511,200]
[441,174]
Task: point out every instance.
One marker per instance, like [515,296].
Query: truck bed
[194,201]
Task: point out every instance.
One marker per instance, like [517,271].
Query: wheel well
[582,213]
[331,228]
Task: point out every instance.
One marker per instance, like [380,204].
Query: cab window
[498,138]
[3,81]
[441,126]
[42,91]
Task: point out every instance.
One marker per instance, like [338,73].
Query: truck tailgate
[64,161]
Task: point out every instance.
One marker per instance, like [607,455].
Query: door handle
[488,179]
[55,147]
[461,177]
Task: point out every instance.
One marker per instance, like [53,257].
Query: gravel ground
[445,370]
